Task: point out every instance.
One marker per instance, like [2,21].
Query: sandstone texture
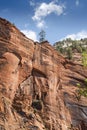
[38,86]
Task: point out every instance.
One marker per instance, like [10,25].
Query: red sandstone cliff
[37,85]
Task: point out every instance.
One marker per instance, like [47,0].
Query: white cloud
[77,36]
[31,2]
[77,2]
[41,24]
[30,34]
[45,9]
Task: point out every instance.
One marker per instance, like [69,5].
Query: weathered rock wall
[37,85]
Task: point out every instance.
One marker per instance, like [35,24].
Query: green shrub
[79,49]
[69,53]
[82,91]
[84,59]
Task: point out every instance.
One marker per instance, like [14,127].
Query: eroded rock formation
[37,85]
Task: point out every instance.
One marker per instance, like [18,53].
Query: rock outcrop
[37,85]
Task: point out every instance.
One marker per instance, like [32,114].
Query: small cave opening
[37,104]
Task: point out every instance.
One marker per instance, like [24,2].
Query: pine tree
[42,35]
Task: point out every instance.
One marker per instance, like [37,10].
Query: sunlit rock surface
[37,85]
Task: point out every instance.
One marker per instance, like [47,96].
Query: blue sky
[59,18]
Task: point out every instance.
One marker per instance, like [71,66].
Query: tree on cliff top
[42,35]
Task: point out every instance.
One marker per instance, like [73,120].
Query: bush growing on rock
[82,91]
[84,58]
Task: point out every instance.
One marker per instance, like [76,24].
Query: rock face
[37,85]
